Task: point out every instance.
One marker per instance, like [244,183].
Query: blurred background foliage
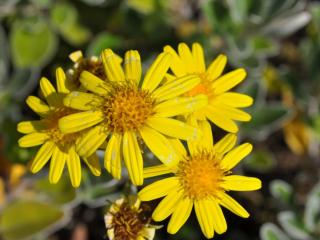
[278,42]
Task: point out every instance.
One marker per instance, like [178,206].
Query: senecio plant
[105,103]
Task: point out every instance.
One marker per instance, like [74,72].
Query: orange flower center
[127,108]
[128,222]
[201,175]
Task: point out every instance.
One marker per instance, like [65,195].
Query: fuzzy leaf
[281,190]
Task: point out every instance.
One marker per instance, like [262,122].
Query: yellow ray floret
[223,106]
[126,111]
[200,179]
[61,148]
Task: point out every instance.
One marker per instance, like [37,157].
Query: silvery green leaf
[312,210]
[266,119]
[3,58]
[270,231]
[286,26]
[281,190]
[260,161]
[293,226]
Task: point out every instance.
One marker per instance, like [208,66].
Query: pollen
[127,108]
[201,175]
[128,222]
[52,128]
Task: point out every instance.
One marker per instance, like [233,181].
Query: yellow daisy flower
[127,220]
[129,110]
[60,147]
[201,179]
[223,106]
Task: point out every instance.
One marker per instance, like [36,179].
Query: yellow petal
[57,163]
[205,218]
[91,141]
[173,128]
[133,157]
[177,87]
[216,67]
[186,56]
[180,215]
[235,99]
[38,106]
[93,83]
[177,66]
[178,147]
[158,189]
[82,101]
[42,156]
[74,167]
[203,141]
[241,183]
[235,156]
[228,81]
[76,56]
[167,205]
[33,139]
[180,106]
[198,56]
[93,164]
[112,66]
[112,157]
[132,66]
[49,92]
[30,126]
[79,121]
[61,81]
[231,112]
[155,171]
[219,223]
[220,120]
[225,144]
[160,146]
[156,72]
[232,205]
[148,233]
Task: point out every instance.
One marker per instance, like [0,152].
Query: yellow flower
[58,146]
[201,179]
[129,110]
[223,106]
[127,220]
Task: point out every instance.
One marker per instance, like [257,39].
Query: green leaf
[22,219]
[292,225]
[142,6]
[266,119]
[260,161]
[103,41]
[281,190]
[32,42]
[60,193]
[64,17]
[269,231]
